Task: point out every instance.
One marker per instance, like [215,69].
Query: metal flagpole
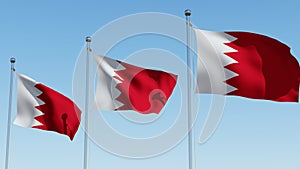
[86,109]
[12,61]
[188,13]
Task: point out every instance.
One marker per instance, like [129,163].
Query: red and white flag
[44,108]
[246,64]
[122,86]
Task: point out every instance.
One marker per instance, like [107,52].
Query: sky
[47,38]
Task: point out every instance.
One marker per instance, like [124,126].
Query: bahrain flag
[123,86]
[246,64]
[44,108]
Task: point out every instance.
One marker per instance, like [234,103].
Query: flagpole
[86,109]
[188,13]
[12,62]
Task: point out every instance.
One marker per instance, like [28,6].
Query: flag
[44,108]
[123,86]
[246,64]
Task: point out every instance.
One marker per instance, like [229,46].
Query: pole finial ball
[187,12]
[88,39]
[12,60]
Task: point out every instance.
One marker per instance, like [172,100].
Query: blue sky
[46,38]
